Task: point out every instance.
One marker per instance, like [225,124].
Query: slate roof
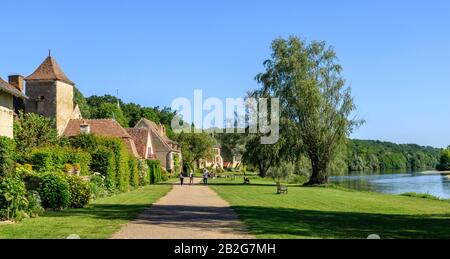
[49,70]
[6,87]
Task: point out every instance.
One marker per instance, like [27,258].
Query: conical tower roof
[49,70]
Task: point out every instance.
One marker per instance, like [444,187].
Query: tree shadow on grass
[102,211]
[292,223]
[276,222]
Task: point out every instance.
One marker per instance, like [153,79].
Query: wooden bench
[246,180]
[282,189]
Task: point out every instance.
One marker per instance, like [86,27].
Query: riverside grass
[333,213]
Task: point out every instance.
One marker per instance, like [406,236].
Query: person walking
[191,178]
[182,178]
[205,176]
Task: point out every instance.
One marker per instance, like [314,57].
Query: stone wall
[64,105]
[52,99]
[6,114]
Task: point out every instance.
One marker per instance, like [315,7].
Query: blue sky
[396,54]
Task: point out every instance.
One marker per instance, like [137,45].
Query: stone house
[165,149]
[8,93]
[216,162]
[50,94]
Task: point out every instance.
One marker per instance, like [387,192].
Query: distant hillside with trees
[371,155]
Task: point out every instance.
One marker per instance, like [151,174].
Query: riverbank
[333,212]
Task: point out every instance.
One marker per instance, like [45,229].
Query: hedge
[144,178]
[7,151]
[54,159]
[134,171]
[104,163]
[111,159]
[155,173]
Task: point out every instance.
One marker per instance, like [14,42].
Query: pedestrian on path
[191,178]
[205,176]
[182,178]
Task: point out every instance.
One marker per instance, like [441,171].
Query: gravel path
[188,212]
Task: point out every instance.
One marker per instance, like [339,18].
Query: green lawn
[333,213]
[100,220]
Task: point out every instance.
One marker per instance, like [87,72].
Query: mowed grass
[333,213]
[100,220]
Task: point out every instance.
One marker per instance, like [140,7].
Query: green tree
[78,99]
[109,111]
[33,131]
[444,163]
[313,97]
[262,156]
[195,147]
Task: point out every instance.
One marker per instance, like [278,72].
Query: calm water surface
[430,182]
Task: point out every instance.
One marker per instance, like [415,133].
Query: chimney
[16,81]
[85,128]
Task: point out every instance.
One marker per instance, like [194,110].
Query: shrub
[144,179]
[33,131]
[134,171]
[54,159]
[12,198]
[98,187]
[104,162]
[7,151]
[55,191]
[121,158]
[80,191]
[154,168]
[34,208]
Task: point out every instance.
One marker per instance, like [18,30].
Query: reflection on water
[430,182]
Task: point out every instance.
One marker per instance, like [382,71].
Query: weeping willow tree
[314,99]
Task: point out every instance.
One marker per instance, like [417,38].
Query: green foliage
[195,146]
[444,161]
[176,164]
[110,158]
[110,111]
[32,131]
[12,198]
[98,187]
[282,172]
[34,208]
[155,173]
[80,191]
[144,178]
[134,171]
[54,159]
[104,162]
[7,161]
[315,103]
[262,156]
[369,155]
[55,191]
[78,99]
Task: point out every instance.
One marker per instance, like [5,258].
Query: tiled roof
[49,70]
[103,127]
[156,135]
[141,139]
[6,87]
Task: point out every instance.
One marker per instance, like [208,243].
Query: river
[429,182]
